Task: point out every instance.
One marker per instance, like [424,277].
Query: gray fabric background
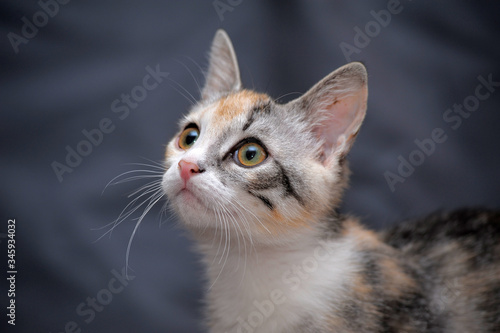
[64,80]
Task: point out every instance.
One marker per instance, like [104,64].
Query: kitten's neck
[274,278]
[218,247]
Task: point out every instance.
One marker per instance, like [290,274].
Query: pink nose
[188,169]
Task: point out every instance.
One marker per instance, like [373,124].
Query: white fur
[326,269]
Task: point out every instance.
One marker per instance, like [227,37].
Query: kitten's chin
[193,211]
[188,199]
[189,207]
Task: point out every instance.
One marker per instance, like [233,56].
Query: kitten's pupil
[191,137]
[250,153]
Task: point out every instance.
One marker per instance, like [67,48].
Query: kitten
[257,184]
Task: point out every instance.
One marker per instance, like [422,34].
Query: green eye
[250,154]
[188,137]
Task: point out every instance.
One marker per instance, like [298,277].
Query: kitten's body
[279,258]
[440,274]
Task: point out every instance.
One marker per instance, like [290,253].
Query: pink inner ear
[339,123]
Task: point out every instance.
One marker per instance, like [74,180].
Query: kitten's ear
[335,108]
[223,74]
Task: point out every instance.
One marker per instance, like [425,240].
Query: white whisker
[192,75]
[126,213]
[155,165]
[195,63]
[189,96]
[288,94]
[160,170]
[238,228]
[145,187]
[258,220]
[157,197]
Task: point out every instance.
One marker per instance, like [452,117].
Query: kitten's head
[242,162]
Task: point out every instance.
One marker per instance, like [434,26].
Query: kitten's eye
[250,154]
[188,137]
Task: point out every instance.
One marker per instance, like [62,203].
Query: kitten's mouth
[189,198]
[193,201]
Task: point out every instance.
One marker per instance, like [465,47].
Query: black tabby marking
[371,270]
[411,310]
[264,199]
[285,181]
[256,111]
[489,307]
[476,230]
[265,181]
[333,225]
[477,224]
[350,312]
[468,272]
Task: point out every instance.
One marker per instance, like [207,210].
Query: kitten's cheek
[171,184]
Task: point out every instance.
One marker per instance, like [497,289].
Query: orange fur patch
[233,105]
[168,153]
[334,322]
[170,149]
[277,223]
[367,238]
[361,288]
[398,282]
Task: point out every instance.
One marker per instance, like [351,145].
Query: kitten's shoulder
[468,226]
[457,257]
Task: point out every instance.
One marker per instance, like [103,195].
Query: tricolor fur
[279,257]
